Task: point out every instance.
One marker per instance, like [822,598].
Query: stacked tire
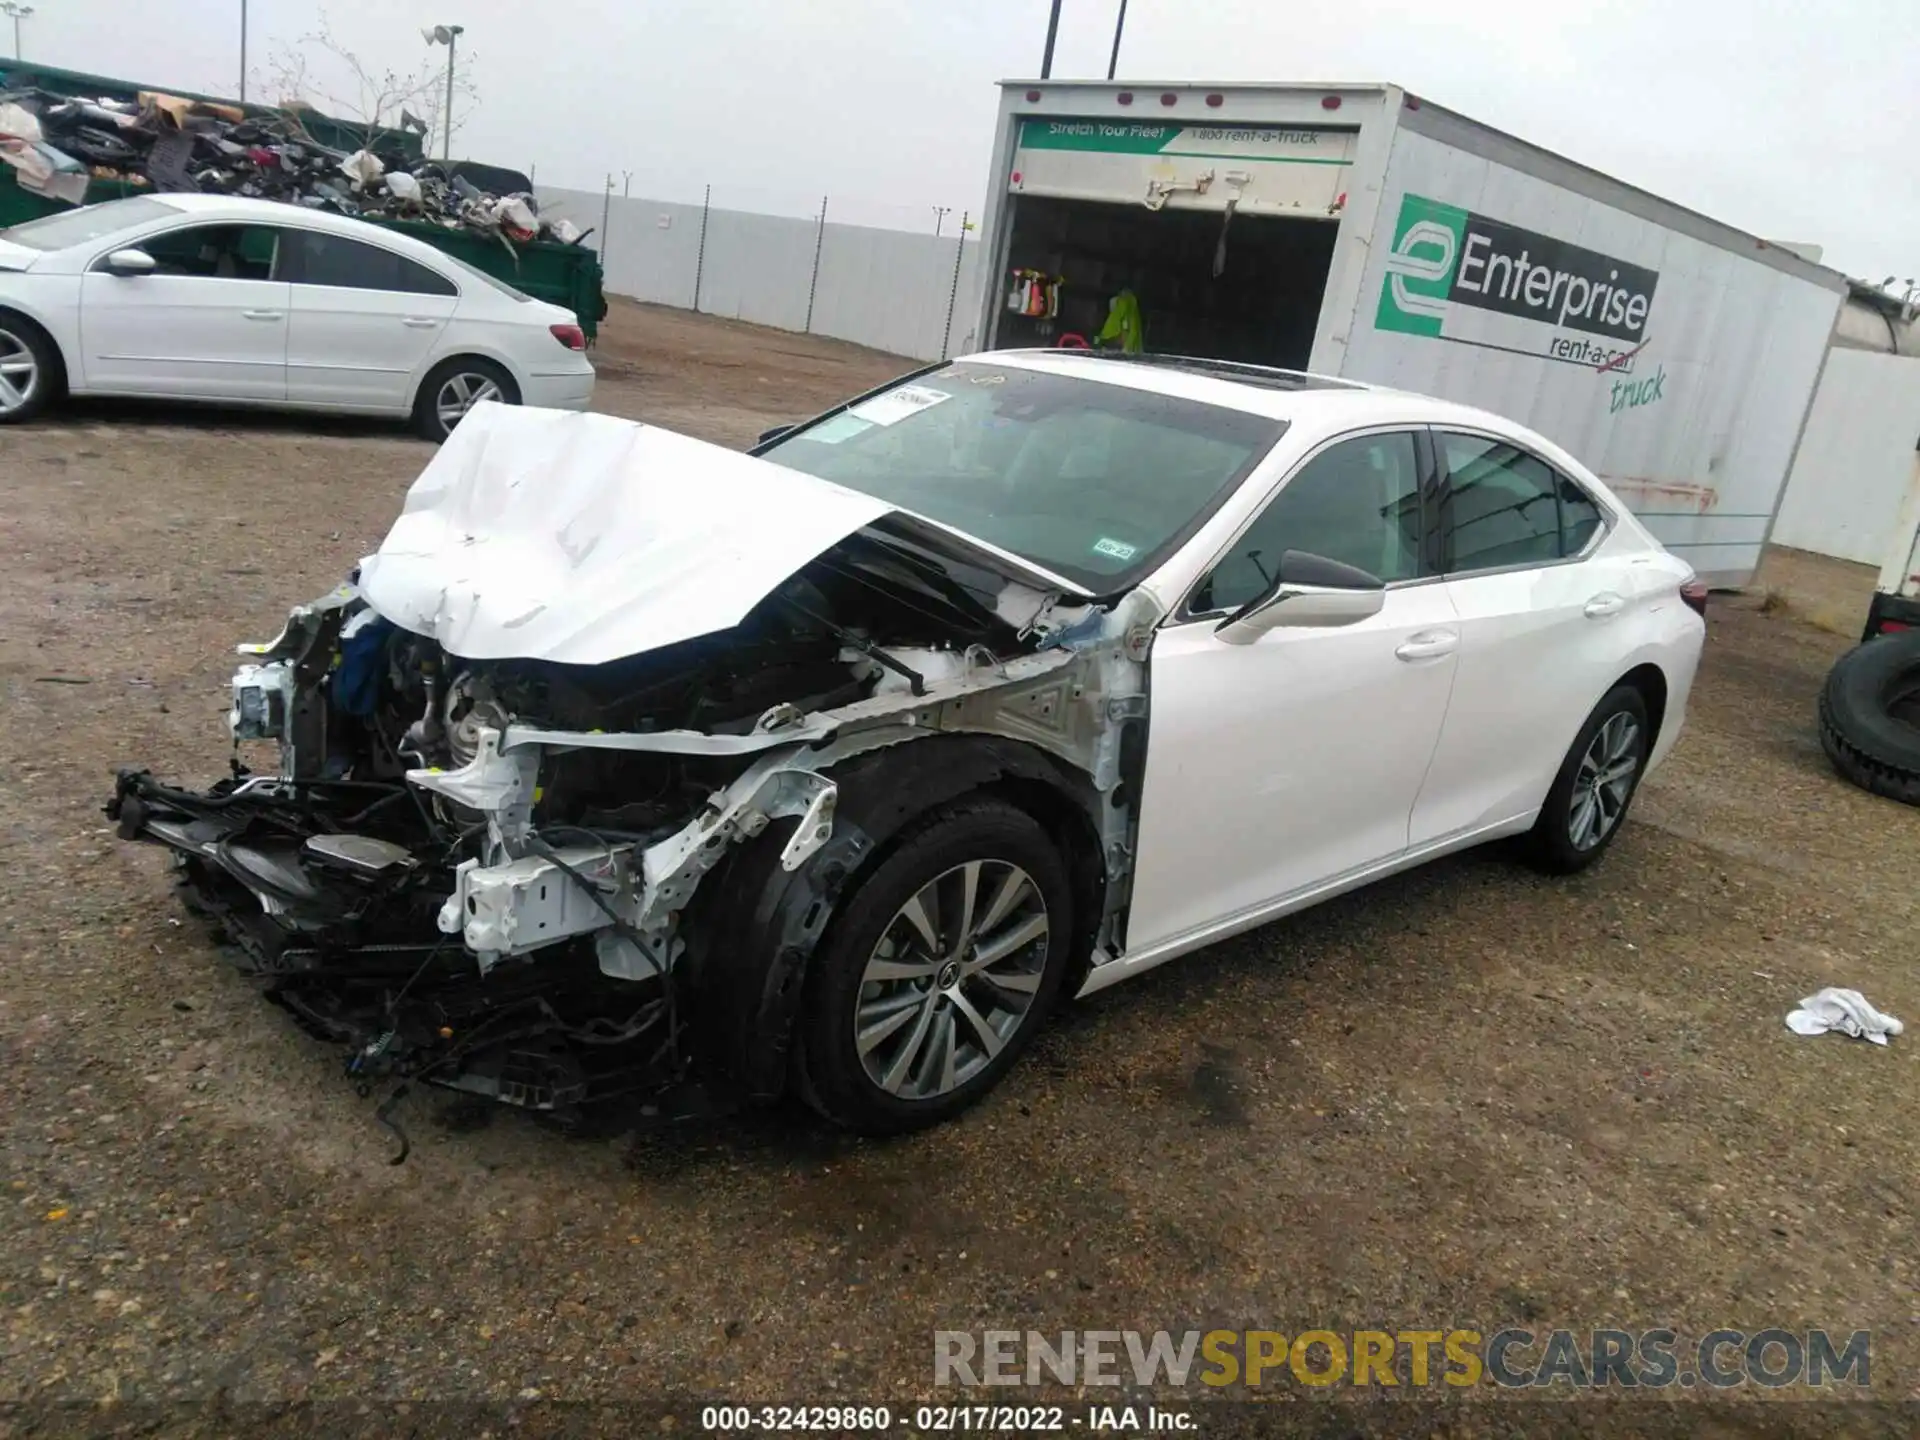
[1870,716]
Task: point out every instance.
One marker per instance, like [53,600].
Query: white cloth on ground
[1846,1011]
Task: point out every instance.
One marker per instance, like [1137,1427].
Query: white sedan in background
[250,302]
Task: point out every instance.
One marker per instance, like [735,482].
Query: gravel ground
[1469,1096]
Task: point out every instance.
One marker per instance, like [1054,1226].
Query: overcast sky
[1798,122]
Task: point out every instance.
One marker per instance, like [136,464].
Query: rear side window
[310,258]
[1506,507]
[1579,517]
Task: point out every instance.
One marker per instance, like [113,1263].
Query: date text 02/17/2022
[943,1419]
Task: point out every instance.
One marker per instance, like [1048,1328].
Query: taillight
[1694,592]
[571,336]
[1887,627]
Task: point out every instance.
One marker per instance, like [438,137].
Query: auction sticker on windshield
[835,428]
[897,405]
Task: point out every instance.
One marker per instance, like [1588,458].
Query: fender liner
[753,928]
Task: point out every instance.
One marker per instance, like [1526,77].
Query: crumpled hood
[582,538]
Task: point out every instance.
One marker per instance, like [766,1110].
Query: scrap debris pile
[57,144]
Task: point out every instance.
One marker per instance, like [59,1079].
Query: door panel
[207,322]
[1540,639]
[1281,764]
[365,321]
[1532,665]
[1274,766]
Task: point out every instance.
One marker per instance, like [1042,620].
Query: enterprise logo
[1454,275]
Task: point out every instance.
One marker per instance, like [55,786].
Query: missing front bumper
[341,930]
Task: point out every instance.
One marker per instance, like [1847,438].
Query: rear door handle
[1606,603]
[419,322]
[1428,645]
[264,314]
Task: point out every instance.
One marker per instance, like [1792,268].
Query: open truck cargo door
[1220,234]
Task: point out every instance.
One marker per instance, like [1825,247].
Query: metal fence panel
[891,290]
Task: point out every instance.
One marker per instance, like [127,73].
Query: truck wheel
[455,387]
[937,973]
[1870,716]
[1589,799]
[30,370]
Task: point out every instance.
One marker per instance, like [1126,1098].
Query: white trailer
[1365,232]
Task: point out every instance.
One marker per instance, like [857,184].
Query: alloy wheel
[19,372]
[1604,781]
[460,393]
[951,979]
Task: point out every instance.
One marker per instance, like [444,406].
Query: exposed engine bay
[556,883]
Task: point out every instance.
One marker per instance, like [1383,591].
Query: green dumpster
[565,275]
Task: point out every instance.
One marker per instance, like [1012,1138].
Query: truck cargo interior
[1245,287]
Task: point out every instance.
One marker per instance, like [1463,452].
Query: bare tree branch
[316,71]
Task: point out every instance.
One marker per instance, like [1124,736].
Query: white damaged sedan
[629,766]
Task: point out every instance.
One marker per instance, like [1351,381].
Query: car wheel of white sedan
[456,387]
[938,971]
[28,370]
[1596,784]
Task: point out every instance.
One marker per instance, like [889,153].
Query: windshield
[1095,482]
[89,222]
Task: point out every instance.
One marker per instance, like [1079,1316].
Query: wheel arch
[464,352]
[752,928]
[1651,681]
[13,312]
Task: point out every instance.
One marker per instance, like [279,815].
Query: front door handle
[1606,603]
[1428,645]
[419,322]
[264,314]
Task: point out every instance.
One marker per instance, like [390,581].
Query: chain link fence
[909,294]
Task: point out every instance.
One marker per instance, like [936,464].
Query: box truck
[1364,232]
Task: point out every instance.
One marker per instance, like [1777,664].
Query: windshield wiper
[863,645]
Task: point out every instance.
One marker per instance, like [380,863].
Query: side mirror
[1310,592]
[767,437]
[128,263]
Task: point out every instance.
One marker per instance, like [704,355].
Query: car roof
[245,208]
[1297,396]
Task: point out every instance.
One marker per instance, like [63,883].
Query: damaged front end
[557,884]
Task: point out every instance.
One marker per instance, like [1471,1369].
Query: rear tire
[31,373]
[1870,716]
[895,1033]
[1590,797]
[455,386]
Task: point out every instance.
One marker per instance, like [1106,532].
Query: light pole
[1113,61]
[243,52]
[940,213]
[446,35]
[18,13]
[1053,33]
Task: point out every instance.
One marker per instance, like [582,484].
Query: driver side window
[1357,502]
[214,252]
